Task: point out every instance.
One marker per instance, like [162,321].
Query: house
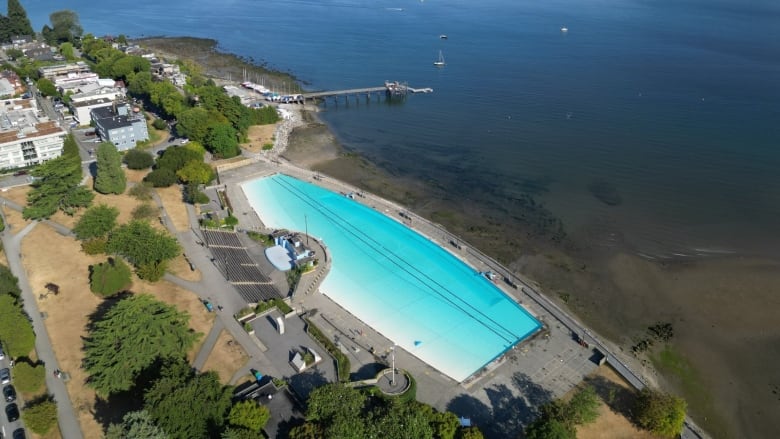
[26,137]
[63,70]
[120,125]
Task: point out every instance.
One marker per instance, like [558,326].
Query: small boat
[440,61]
[564,29]
[443,37]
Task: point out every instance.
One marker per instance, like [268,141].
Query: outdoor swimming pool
[397,281]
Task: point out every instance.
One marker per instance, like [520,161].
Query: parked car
[12,412]
[18,173]
[208,305]
[2,354]
[19,434]
[9,393]
[184,141]
[5,376]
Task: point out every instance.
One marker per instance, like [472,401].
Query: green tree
[29,378]
[176,158]
[46,87]
[339,410]
[65,26]
[197,172]
[206,399]
[9,284]
[549,428]
[134,333]
[152,271]
[57,185]
[162,177]
[136,425]
[17,19]
[12,53]
[308,430]
[222,140]
[110,277]
[159,124]
[96,222]
[445,424]
[399,419]
[15,328]
[249,414]
[66,49]
[40,416]
[141,243]
[660,412]
[194,124]
[583,407]
[110,175]
[140,84]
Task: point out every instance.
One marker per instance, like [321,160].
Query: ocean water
[673,105]
[398,282]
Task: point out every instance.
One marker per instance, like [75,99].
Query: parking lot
[12,423]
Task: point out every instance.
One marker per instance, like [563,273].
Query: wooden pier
[389,90]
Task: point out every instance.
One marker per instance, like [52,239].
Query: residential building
[6,88]
[120,125]
[63,70]
[82,110]
[26,136]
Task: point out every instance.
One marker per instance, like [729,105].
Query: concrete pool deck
[501,399]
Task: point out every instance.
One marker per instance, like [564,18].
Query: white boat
[564,29]
[440,61]
[443,37]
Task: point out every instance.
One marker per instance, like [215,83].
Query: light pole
[392,377]
[306,222]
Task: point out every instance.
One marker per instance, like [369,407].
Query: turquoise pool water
[397,281]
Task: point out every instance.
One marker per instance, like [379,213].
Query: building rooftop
[19,119]
[114,116]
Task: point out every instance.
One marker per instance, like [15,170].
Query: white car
[2,354]
[5,376]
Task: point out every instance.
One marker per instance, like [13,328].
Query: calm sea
[672,105]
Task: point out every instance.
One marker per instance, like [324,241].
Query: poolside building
[26,136]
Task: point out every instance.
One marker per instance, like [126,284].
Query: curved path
[68,422]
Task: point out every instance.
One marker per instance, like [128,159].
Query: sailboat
[440,61]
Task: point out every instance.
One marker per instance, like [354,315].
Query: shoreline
[616,293]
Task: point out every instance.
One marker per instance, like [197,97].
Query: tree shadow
[467,406]
[510,413]
[284,427]
[303,383]
[618,398]
[534,394]
[104,307]
[112,410]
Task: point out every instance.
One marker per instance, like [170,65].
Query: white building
[26,137]
[82,110]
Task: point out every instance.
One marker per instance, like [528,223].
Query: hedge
[341,360]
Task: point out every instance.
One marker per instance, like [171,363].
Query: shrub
[2,224]
[141,191]
[162,177]
[94,246]
[110,277]
[138,159]
[268,146]
[341,359]
[144,211]
[29,378]
[152,271]
[193,195]
[40,416]
[159,124]
[231,221]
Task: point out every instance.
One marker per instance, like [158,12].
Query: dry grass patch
[14,220]
[181,268]
[135,175]
[17,194]
[258,136]
[612,424]
[51,257]
[200,319]
[171,198]
[226,358]
[54,433]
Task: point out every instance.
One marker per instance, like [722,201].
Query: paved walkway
[68,422]
[208,345]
